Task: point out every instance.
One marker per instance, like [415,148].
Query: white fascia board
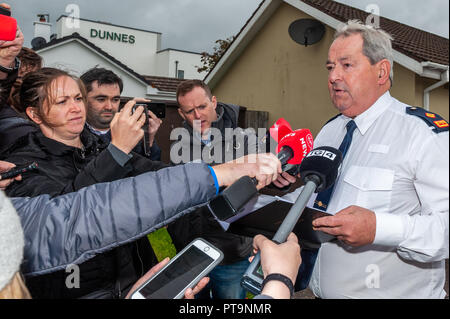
[54,46]
[155,94]
[315,13]
[97,53]
[245,37]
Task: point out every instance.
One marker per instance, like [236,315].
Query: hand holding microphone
[319,171]
[291,150]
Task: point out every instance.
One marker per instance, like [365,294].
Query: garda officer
[390,204]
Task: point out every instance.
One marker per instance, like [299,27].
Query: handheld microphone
[292,148]
[300,140]
[8,24]
[319,170]
[274,134]
[18,170]
[280,129]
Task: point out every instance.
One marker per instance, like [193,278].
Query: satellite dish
[38,43]
[306,31]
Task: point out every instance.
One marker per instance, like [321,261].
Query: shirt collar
[365,120]
[95,131]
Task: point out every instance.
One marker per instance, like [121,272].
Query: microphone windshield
[280,129]
[8,28]
[323,162]
[300,142]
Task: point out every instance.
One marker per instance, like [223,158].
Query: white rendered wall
[136,49]
[162,64]
[188,62]
[75,58]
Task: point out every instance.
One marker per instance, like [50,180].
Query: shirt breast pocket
[373,187]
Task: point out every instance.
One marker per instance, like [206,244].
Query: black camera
[5,12]
[159,109]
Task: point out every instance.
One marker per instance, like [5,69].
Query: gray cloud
[185,24]
[194,25]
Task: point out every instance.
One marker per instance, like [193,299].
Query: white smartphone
[184,271]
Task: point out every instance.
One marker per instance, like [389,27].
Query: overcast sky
[194,25]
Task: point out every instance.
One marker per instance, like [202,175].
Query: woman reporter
[69,156]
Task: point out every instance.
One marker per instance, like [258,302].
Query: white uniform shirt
[399,168]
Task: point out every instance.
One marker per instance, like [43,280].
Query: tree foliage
[209,60]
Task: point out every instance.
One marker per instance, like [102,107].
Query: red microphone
[294,146]
[8,25]
[280,129]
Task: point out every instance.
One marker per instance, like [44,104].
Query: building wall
[187,62]
[136,49]
[277,75]
[162,63]
[439,98]
[139,50]
[86,59]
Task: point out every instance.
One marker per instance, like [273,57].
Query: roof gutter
[444,80]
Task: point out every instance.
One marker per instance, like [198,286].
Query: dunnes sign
[113,36]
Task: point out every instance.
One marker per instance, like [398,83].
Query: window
[180,74]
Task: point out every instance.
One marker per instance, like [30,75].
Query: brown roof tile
[417,44]
[163,83]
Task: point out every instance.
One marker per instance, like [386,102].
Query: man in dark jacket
[103,98]
[207,121]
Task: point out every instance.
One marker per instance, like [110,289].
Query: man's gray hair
[377,43]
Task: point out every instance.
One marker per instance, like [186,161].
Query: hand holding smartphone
[184,271]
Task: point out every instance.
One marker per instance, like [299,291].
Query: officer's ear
[384,70]
[33,115]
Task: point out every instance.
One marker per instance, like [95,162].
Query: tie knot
[351,126]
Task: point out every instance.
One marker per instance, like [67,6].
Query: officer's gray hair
[377,43]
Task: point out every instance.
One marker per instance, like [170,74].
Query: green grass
[162,244]
[163,247]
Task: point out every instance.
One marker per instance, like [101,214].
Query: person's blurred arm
[73,228]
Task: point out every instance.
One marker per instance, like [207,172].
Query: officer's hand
[353,225]
[284,179]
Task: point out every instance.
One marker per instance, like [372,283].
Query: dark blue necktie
[323,198]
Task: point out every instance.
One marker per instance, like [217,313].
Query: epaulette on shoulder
[432,119]
[334,117]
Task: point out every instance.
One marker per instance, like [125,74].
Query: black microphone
[292,148]
[15,171]
[318,170]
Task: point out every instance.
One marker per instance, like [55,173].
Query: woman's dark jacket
[64,169]
[12,126]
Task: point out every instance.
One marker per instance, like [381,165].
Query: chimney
[42,28]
